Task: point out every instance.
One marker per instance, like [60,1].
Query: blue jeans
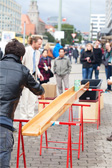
[96,71]
[6,146]
[108,71]
[87,73]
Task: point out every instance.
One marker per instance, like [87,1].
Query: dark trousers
[108,71]
[6,146]
[96,71]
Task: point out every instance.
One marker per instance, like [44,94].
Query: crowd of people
[23,70]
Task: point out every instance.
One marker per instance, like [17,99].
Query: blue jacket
[56,50]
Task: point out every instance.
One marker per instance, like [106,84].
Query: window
[94,20]
[102,20]
[95,27]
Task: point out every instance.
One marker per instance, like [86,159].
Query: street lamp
[60,15]
[90,23]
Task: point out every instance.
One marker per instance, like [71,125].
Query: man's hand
[40,76]
[42,97]
[98,68]
[109,82]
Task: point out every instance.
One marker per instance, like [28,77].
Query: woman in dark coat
[87,59]
[44,66]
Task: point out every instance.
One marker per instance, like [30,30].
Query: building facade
[109,15]
[33,14]
[97,23]
[10,16]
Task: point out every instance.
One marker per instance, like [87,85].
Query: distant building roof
[30,28]
[25,18]
[50,28]
[41,20]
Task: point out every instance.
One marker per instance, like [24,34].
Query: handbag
[51,73]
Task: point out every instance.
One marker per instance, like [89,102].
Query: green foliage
[69,29]
[50,37]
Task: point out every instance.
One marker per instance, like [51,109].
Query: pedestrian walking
[107,61]
[45,66]
[31,60]
[70,53]
[56,49]
[87,60]
[75,53]
[1,54]
[98,59]
[62,68]
[66,51]
[14,77]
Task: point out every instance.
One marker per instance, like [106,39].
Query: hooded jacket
[56,50]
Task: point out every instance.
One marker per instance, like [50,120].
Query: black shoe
[109,138]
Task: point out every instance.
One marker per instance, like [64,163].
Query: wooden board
[42,121]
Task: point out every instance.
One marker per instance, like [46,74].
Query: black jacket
[98,55]
[84,61]
[75,53]
[13,77]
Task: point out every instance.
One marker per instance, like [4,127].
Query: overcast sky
[77,12]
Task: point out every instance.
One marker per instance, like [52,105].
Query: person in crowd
[70,53]
[81,50]
[110,137]
[50,53]
[62,69]
[14,77]
[31,61]
[107,61]
[75,53]
[1,54]
[66,51]
[102,48]
[44,66]
[56,49]
[98,58]
[87,59]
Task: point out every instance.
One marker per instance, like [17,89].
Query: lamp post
[24,33]
[90,23]
[60,15]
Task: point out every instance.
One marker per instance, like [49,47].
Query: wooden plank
[42,121]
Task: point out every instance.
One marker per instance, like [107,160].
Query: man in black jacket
[98,58]
[13,77]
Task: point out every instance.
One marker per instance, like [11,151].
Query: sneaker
[106,90]
[109,138]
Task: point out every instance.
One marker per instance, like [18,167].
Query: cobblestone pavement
[97,151]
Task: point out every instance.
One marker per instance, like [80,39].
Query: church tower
[33,14]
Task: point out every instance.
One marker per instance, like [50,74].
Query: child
[45,66]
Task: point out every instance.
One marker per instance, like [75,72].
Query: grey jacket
[62,66]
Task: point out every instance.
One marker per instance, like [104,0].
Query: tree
[50,37]
[69,29]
